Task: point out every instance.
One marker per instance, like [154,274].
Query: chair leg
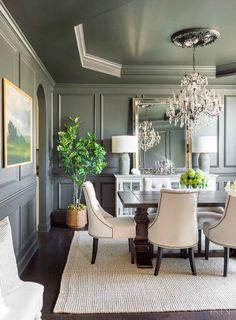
[158,263]
[226,261]
[207,244]
[131,249]
[95,249]
[192,260]
[129,240]
[199,241]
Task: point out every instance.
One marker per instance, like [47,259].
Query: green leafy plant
[79,157]
[194,179]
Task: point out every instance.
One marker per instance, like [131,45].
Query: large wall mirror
[174,141]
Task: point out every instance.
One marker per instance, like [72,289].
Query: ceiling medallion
[197,37]
[195,103]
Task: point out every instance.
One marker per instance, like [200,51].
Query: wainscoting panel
[27,84]
[14,217]
[77,105]
[229,132]
[8,176]
[28,222]
[20,209]
[65,194]
[8,64]
[115,115]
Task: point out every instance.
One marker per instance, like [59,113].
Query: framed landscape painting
[17,107]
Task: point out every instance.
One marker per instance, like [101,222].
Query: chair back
[155,184]
[97,224]
[175,225]
[223,232]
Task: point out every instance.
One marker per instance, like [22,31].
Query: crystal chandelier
[195,103]
[147,136]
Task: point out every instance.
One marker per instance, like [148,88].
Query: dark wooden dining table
[142,200]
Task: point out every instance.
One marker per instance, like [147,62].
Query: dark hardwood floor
[47,265]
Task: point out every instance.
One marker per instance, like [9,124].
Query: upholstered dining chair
[175,225]
[222,232]
[101,224]
[155,184]
[207,214]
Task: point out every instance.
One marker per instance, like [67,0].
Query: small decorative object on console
[164,167]
[194,179]
[135,171]
[230,188]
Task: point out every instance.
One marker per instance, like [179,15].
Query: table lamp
[204,145]
[124,145]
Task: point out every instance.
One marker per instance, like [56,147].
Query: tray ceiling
[133,33]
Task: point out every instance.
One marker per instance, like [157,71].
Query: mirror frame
[136,103]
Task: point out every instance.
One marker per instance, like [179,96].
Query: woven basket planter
[76,218]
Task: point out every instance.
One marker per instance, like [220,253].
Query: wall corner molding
[93,62]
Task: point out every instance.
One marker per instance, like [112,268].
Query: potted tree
[79,157]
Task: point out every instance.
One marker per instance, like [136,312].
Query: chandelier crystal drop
[195,103]
[148,137]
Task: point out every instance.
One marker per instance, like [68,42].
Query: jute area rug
[114,285]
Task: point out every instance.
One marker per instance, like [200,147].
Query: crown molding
[226,70]
[10,22]
[92,62]
[164,71]
[138,86]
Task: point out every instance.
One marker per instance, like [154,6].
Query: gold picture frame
[17,125]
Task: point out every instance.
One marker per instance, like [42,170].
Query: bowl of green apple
[194,179]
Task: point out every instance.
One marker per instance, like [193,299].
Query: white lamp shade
[204,144]
[124,144]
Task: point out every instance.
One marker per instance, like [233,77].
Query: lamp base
[124,163]
[195,164]
[204,162]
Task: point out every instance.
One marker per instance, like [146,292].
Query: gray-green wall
[19,65]
[107,111]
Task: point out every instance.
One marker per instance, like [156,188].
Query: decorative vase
[76,218]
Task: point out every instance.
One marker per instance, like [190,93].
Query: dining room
[118,159]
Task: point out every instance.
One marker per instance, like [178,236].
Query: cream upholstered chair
[223,232]
[208,214]
[155,184]
[103,225]
[175,225]
[19,300]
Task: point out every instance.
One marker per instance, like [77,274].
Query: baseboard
[27,253]
[44,227]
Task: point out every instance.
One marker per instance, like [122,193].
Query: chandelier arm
[194,57]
